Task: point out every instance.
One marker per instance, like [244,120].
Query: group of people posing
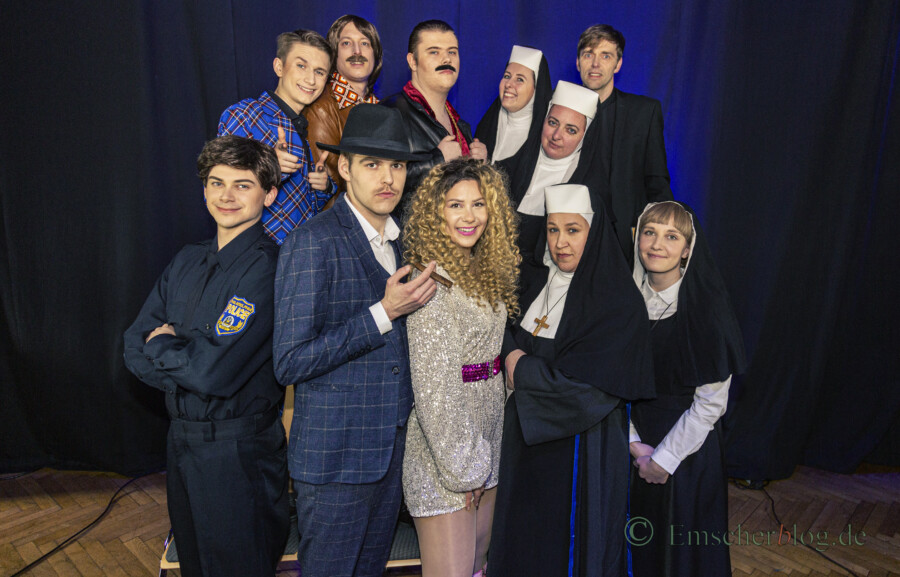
[521,335]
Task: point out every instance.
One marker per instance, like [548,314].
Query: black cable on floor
[761,486]
[84,529]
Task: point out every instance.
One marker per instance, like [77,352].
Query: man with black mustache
[431,122]
[357,65]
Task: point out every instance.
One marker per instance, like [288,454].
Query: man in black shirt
[204,336]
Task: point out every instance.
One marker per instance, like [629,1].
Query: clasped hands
[648,469]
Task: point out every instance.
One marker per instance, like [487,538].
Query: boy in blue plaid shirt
[302,64]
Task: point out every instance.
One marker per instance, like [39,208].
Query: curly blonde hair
[492,272]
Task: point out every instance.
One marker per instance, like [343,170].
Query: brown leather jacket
[326,124]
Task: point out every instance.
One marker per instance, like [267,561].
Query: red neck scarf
[417,96]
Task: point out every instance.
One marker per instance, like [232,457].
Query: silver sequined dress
[454,432]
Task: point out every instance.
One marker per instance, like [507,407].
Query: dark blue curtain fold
[782,130]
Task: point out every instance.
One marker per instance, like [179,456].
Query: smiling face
[355,55]
[302,75]
[567,234]
[435,64]
[465,214]
[516,87]
[661,249]
[598,65]
[235,200]
[374,185]
[563,131]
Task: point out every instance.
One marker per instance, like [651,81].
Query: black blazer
[638,171]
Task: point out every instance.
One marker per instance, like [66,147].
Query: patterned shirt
[296,202]
[345,95]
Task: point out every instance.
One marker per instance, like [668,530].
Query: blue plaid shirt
[296,202]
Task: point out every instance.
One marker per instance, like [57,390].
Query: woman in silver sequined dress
[461,218]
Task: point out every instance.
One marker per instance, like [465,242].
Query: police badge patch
[235,316]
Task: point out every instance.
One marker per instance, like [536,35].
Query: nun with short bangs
[676,439]
[575,358]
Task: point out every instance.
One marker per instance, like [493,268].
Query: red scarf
[417,96]
[345,95]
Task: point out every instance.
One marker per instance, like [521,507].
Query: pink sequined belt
[480,371]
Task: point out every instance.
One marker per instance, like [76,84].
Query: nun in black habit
[508,124]
[562,152]
[679,484]
[580,352]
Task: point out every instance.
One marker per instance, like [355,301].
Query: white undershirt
[710,401]
[384,254]
[558,283]
[548,172]
[512,130]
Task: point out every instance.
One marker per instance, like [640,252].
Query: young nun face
[465,214]
[661,248]
[516,87]
[567,234]
[563,131]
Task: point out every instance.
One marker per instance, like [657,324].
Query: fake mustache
[445,67]
[358,58]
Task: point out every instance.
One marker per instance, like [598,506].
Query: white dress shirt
[384,254]
[690,431]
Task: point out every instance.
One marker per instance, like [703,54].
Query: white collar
[391,230]
[553,297]
[668,295]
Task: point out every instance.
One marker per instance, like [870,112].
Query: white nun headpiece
[578,98]
[569,198]
[528,57]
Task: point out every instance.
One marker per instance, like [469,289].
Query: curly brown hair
[492,272]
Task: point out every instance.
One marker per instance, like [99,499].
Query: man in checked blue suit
[340,337]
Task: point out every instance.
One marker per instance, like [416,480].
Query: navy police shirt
[220,304]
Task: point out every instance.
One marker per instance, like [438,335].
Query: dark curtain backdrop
[782,130]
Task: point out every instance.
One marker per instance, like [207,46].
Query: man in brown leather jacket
[357,64]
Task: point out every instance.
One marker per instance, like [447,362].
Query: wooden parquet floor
[854,519]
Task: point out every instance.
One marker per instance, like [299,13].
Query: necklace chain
[547,297]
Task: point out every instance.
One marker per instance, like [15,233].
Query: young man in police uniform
[204,336]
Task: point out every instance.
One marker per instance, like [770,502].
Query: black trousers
[227,495]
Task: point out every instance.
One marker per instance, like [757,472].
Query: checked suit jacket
[352,384]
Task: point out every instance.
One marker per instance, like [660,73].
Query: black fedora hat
[375,130]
